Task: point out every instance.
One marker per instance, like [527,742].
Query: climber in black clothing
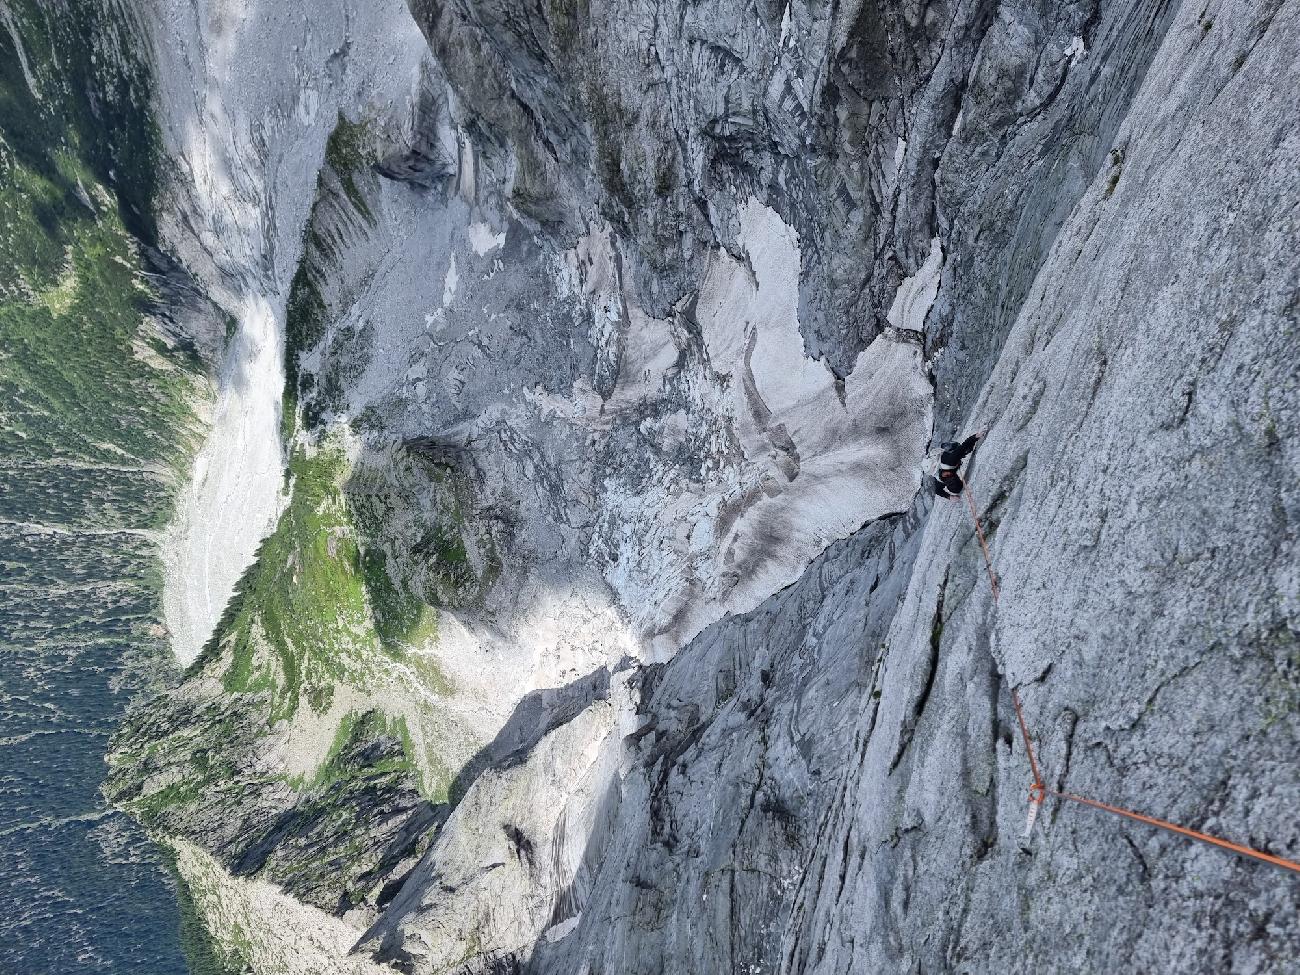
[948,483]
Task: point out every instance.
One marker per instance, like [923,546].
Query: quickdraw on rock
[1038,790]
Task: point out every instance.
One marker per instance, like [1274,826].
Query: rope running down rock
[1038,791]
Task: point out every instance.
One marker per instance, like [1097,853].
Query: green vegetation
[151,807]
[90,91]
[400,616]
[332,586]
[304,327]
[353,576]
[610,121]
[87,379]
[410,511]
[1117,170]
[348,153]
[566,19]
[1280,697]
[84,374]
[300,613]
[354,733]
[666,175]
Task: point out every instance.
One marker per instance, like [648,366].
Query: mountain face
[557,578]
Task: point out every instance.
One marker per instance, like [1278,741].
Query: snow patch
[816,460]
[483,240]
[466,178]
[449,282]
[916,294]
[308,106]
[558,932]
[233,497]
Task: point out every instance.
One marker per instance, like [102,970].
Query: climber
[947,482]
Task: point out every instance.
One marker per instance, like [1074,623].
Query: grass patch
[149,808]
[349,152]
[302,618]
[1280,700]
[369,745]
[348,757]
[610,121]
[431,674]
[305,319]
[91,102]
[1117,170]
[331,587]
[402,618]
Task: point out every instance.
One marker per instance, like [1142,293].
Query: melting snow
[558,932]
[916,294]
[819,458]
[483,240]
[233,497]
[449,282]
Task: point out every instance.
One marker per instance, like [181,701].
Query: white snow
[558,932]
[449,282]
[1076,50]
[916,294]
[817,459]
[483,240]
[233,497]
[851,455]
[466,178]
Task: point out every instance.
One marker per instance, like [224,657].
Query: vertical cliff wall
[1133,491]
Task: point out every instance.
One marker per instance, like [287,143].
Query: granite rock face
[603,628]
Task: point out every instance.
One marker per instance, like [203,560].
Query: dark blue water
[82,890]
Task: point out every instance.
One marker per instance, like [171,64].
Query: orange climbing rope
[979,531]
[1183,831]
[1038,787]
[1038,791]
